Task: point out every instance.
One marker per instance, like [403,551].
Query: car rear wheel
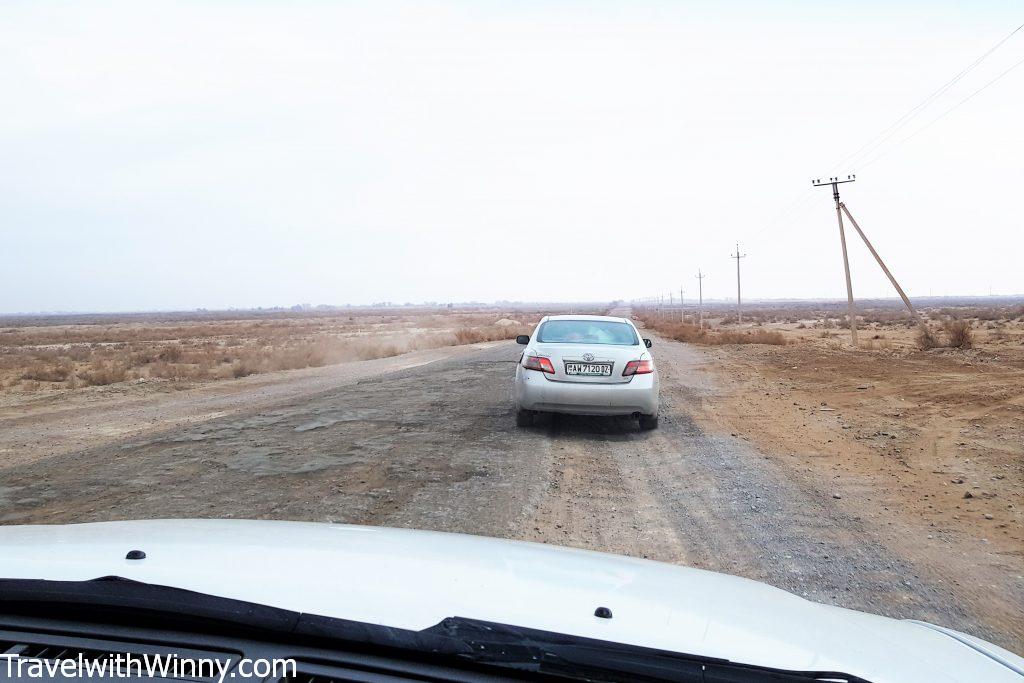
[649,421]
[524,418]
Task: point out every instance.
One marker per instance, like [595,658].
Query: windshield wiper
[480,643]
[590,659]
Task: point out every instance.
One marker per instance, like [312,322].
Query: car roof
[586,317]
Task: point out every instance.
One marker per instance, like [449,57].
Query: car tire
[649,422]
[524,418]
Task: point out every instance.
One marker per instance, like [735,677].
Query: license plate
[589,369]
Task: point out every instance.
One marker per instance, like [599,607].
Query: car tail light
[539,363]
[638,367]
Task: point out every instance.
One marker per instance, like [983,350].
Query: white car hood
[414,579]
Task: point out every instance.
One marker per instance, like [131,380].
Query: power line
[899,123]
[941,116]
[800,205]
[786,217]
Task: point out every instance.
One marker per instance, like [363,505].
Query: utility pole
[850,315]
[700,296]
[739,300]
[840,210]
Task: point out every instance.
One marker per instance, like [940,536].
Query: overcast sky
[215,154]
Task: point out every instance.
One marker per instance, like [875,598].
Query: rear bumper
[534,392]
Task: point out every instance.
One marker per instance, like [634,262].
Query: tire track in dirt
[598,495]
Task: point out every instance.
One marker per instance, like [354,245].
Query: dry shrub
[78,353]
[306,355]
[758,336]
[180,371]
[683,332]
[314,354]
[386,351]
[878,342]
[244,368]
[103,372]
[475,335]
[959,334]
[57,372]
[171,353]
[143,356]
[926,339]
[693,334]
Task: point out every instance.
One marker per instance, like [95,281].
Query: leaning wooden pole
[881,263]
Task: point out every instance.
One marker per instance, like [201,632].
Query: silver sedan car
[586,365]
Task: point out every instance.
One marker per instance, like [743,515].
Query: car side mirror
[523,339]
[647,343]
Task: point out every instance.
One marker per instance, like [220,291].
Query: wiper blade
[113,598]
[472,641]
[590,659]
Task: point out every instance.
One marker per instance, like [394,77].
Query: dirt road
[434,446]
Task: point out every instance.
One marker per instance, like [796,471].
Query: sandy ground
[927,448]
[429,441]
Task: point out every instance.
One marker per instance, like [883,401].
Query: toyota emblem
[588,356]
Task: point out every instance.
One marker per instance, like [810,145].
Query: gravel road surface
[434,445]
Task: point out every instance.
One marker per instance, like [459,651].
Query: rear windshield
[587,332]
